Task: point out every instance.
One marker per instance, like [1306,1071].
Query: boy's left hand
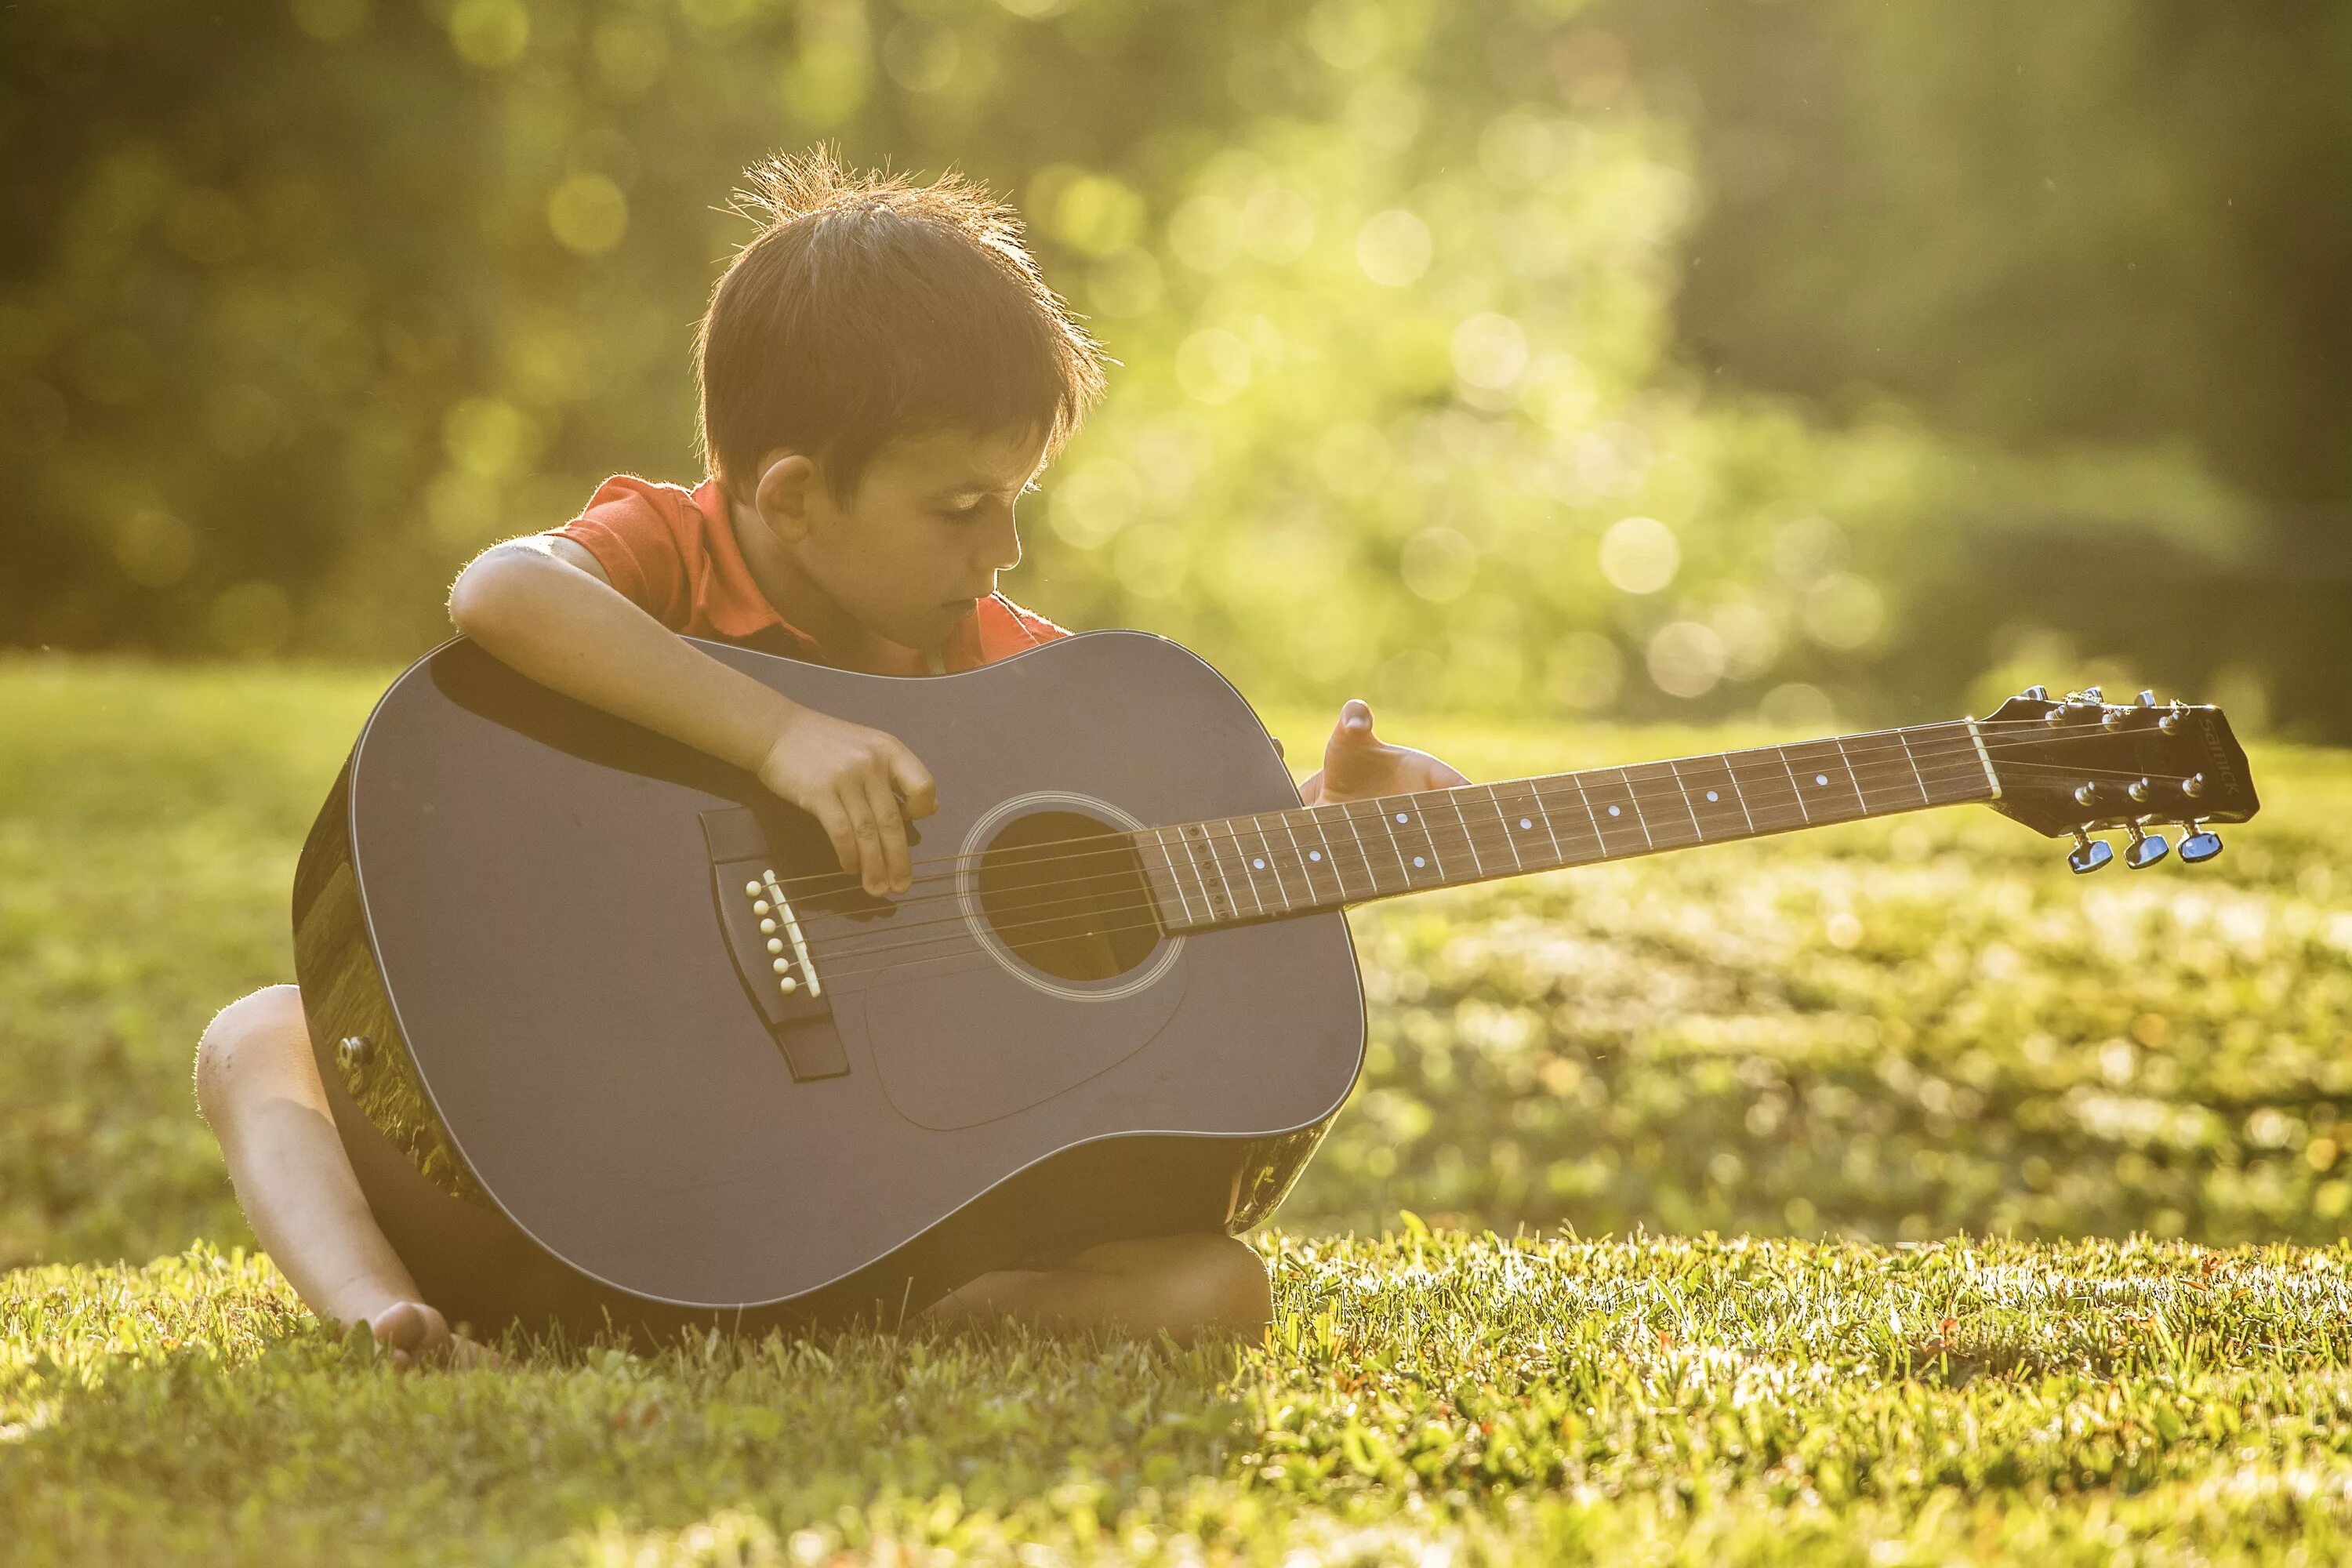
[1357,765]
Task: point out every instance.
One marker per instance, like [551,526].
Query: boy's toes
[410,1332]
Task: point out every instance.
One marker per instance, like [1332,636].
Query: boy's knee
[252,1033]
[1228,1280]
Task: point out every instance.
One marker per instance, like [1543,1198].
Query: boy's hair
[870,308]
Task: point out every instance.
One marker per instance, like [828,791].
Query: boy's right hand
[851,779]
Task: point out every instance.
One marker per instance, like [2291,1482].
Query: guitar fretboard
[1236,869]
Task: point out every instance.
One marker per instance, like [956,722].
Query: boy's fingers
[894,832]
[872,868]
[836,823]
[914,782]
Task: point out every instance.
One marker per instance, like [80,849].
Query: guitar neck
[1235,870]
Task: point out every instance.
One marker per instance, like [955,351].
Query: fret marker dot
[1400,817]
[1821,778]
[1418,861]
[1710,796]
[1258,865]
[1315,854]
[1524,823]
[1612,811]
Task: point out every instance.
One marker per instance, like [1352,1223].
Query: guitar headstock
[2082,765]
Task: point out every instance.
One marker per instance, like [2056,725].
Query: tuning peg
[2035,694]
[2145,849]
[2148,699]
[2193,785]
[2092,694]
[2138,789]
[2089,854]
[2200,844]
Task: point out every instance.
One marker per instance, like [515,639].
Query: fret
[1196,913]
[1298,853]
[1952,770]
[1592,818]
[1450,840]
[1227,837]
[1617,815]
[1175,882]
[1882,774]
[1911,760]
[1528,818]
[1332,853]
[1715,802]
[1462,835]
[1274,847]
[1359,813]
[1258,857]
[1795,788]
[1198,841]
[1824,783]
[1766,789]
[1503,828]
[1417,849]
[1665,807]
[1376,853]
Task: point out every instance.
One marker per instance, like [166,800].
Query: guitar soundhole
[1067,894]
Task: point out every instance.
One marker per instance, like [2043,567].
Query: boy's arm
[544,606]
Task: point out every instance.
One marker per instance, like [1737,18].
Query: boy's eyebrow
[982,485]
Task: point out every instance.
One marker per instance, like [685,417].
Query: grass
[1849,1048]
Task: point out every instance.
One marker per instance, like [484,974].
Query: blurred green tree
[302,304]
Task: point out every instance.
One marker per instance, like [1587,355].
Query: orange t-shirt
[671,552]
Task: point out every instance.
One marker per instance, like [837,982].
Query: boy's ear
[788,482]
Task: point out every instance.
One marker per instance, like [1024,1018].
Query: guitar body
[542,1009]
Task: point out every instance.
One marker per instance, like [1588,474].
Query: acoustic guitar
[614,1041]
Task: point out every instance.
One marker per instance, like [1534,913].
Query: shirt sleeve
[630,531]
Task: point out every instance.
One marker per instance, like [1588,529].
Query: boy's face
[925,534]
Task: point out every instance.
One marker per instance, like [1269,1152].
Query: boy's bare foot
[414,1334]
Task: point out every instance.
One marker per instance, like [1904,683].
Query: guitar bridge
[771,951]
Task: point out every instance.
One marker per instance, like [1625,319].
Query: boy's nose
[1004,552]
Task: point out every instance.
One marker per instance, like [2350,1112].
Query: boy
[884,374]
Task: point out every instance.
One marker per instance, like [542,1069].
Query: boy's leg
[258,1088]
[1185,1285]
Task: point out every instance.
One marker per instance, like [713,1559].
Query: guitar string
[896,938]
[1959,754]
[1957,749]
[1497,836]
[1952,764]
[1955,744]
[970,948]
[967,948]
